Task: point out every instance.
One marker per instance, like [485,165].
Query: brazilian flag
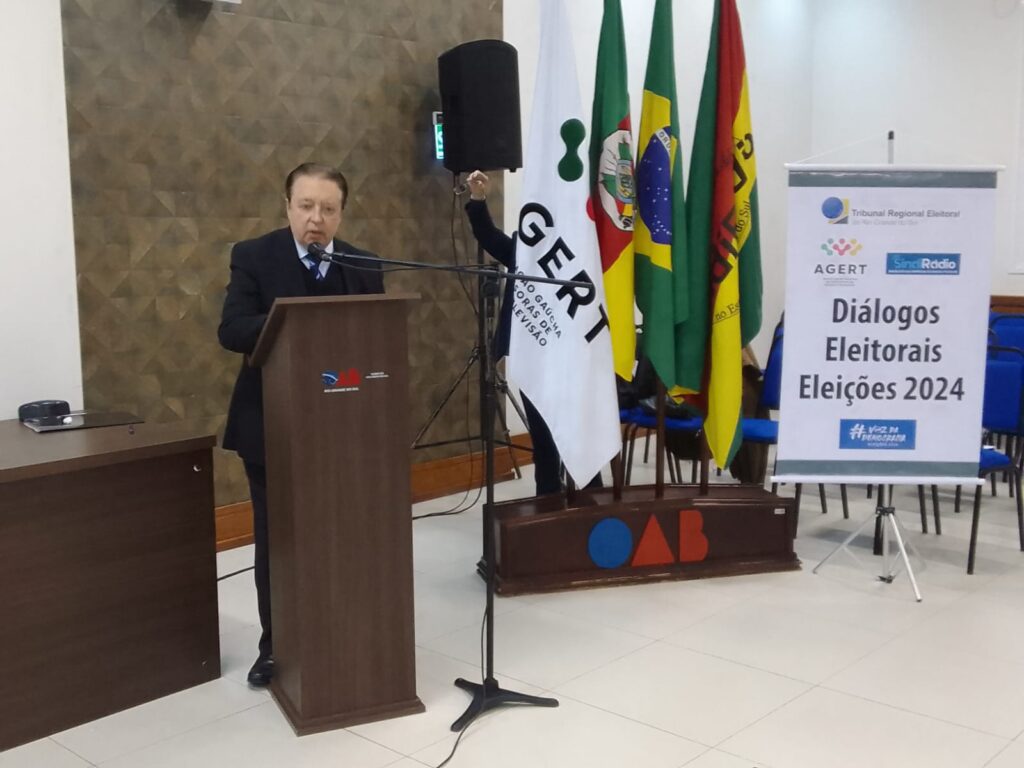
[659,238]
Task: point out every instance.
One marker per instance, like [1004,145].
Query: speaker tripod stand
[503,388]
[475,358]
[886,524]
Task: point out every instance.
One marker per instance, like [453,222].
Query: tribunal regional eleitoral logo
[836,210]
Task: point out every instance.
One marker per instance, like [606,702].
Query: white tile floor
[789,670]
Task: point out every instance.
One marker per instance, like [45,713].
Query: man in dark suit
[277,265]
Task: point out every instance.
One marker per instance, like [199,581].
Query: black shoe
[262,671]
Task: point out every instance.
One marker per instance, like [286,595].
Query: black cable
[455,249]
[458,509]
[234,573]
[473,719]
[455,746]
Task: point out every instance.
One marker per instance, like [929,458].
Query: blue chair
[992,432]
[1002,411]
[1008,331]
[636,418]
[766,431]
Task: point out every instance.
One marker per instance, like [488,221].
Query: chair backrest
[1004,318]
[1001,408]
[771,388]
[1008,330]
[997,352]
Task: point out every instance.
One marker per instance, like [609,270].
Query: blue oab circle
[610,543]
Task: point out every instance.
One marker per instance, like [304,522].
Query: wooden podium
[335,394]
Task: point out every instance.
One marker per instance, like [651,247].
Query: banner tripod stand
[886,524]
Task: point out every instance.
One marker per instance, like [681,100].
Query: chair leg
[956,500]
[693,472]
[935,510]
[775,488]
[671,462]
[647,445]
[974,530]
[629,461]
[846,505]
[924,511]
[799,490]
[1020,510]
[870,489]
[824,503]
[993,478]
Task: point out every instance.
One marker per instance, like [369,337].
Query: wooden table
[108,591]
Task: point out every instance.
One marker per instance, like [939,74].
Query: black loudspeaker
[480,103]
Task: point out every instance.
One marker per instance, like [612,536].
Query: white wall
[39,342]
[945,75]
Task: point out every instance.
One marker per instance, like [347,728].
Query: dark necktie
[314,268]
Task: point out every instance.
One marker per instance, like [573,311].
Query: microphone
[461,189]
[316,251]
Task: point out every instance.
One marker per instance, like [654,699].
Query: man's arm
[493,240]
[243,317]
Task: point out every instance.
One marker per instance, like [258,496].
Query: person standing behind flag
[547,464]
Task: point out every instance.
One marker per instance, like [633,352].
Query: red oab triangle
[653,548]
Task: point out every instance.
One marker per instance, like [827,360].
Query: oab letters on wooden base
[545,544]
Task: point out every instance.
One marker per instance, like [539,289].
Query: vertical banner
[887,296]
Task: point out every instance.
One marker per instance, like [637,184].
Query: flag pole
[618,476]
[659,460]
[705,464]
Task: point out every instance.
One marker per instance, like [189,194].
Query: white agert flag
[560,353]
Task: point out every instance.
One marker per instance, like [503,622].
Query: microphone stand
[487,694]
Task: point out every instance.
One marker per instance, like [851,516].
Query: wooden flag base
[544,545]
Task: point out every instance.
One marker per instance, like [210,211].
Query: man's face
[314,211]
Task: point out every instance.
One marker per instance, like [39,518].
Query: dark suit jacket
[503,248]
[262,270]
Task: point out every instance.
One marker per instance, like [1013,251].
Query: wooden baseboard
[1011,305]
[430,480]
[234,525]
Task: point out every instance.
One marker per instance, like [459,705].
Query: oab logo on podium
[341,381]
[350,380]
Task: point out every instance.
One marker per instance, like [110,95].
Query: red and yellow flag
[723,222]
[611,186]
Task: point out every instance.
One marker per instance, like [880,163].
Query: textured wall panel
[184,118]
